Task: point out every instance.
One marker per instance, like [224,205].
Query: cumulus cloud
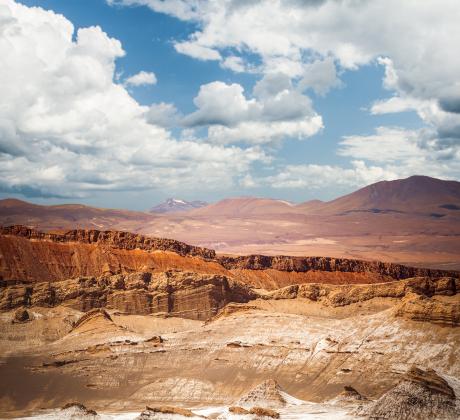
[141,78]
[385,145]
[163,114]
[197,51]
[416,43]
[389,153]
[67,129]
[234,63]
[313,177]
[320,76]
[277,110]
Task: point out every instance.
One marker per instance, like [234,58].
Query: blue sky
[283,99]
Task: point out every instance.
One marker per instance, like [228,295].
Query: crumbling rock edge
[130,241]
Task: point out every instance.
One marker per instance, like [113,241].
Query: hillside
[242,207]
[67,216]
[417,194]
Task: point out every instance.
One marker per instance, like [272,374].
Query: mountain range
[414,220]
[174,205]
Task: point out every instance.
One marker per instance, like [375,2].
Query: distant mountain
[246,207]
[69,216]
[416,194]
[174,205]
[414,220]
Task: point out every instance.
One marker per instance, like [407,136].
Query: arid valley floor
[104,323]
[117,322]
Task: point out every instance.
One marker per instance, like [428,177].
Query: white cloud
[393,105]
[386,145]
[313,177]
[67,129]
[276,111]
[389,153]
[248,182]
[321,76]
[219,103]
[417,43]
[197,51]
[162,114]
[234,63]
[141,78]
[258,132]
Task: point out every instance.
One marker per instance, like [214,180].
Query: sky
[123,103]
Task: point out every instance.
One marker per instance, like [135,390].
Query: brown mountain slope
[67,216]
[245,207]
[417,194]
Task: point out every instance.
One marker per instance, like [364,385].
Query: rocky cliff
[304,264]
[41,260]
[27,255]
[182,294]
[114,239]
[201,296]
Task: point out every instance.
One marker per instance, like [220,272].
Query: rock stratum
[121,322]
[28,255]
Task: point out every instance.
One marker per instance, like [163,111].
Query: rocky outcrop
[425,309]
[114,239]
[202,296]
[22,315]
[263,413]
[93,314]
[234,308]
[187,295]
[77,410]
[304,264]
[343,295]
[268,394]
[198,297]
[420,395]
[349,395]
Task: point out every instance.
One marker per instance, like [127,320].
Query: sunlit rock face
[217,337]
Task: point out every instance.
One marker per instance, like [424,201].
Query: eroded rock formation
[420,395]
[268,394]
[188,295]
[425,309]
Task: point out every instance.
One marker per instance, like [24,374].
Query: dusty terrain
[191,334]
[415,221]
